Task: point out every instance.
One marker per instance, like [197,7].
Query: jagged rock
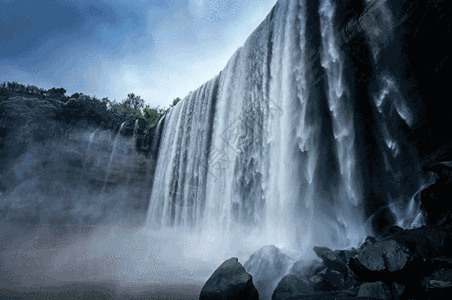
[336,262]
[384,261]
[409,259]
[397,289]
[377,290]
[426,242]
[439,282]
[382,257]
[369,240]
[390,231]
[331,260]
[267,266]
[328,280]
[290,285]
[229,281]
[345,255]
[306,269]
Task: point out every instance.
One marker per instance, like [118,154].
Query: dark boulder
[345,255]
[337,275]
[377,290]
[290,285]
[425,242]
[390,231]
[331,259]
[229,281]
[328,280]
[439,282]
[415,260]
[380,259]
[369,240]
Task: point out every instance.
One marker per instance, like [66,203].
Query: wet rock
[306,269]
[290,285]
[439,282]
[345,255]
[427,243]
[331,260]
[229,281]
[267,266]
[390,231]
[328,280]
[379,259]
[369,240]
[377,290]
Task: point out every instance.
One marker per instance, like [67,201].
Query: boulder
[380,259]
[327,280]
[331,260]
[306,269]
[345,255]
[337,275]
[369,240]
[390,231]
[290,285]
[377,290]
[439,282]
[267,266]
[229,281]
[426,243]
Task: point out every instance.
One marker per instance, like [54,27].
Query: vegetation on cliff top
[90,110]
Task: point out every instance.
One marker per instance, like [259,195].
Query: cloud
[159,50]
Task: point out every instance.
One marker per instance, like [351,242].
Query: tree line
[105,113]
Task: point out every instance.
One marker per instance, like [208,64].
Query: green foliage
[175,101]
[152,115]
[108,114]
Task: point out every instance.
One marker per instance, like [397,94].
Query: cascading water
[264,151]
[116,144]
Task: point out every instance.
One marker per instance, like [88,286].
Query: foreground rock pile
[398,264]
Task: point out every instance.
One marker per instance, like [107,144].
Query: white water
[116,144]
[265,154]
[254,176]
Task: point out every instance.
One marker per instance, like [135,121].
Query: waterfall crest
[268,147]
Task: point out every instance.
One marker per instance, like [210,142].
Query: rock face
[55,173]
[229,282]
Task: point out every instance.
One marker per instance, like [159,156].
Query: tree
[134,102]
[175,101]
[56,93]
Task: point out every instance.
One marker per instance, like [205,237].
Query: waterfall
[116,143]
[265,151]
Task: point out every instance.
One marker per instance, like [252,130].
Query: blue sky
[158,49]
